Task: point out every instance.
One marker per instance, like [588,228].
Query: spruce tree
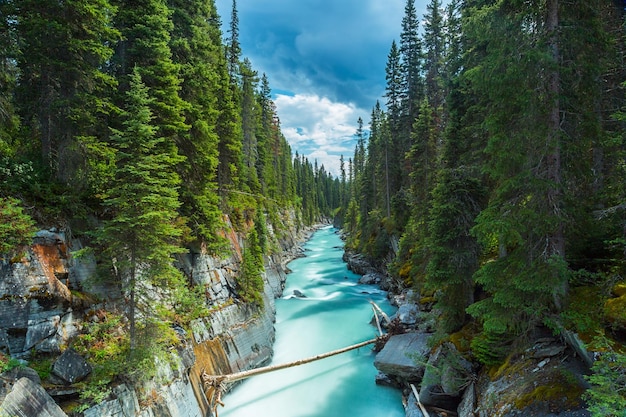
[146,28]
[249,126]
[63,95]
[196,47]
[522,227]
[141,237]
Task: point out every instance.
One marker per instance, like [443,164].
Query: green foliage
[185,303]
[457,200]
[141,237]
[584,312]
[16,227]
[607,395]
[250,282]
[42,365]
[106,346]
[196,46]
[6,364]
[491,346]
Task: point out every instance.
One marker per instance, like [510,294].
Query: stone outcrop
[28,398]
[532,384]
[445,378]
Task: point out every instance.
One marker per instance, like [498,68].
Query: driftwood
[419,404]
[381,312]
[214,385]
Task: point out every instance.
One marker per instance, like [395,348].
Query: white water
[335,314]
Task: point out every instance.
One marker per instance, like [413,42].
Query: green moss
[462,339]
[564,392]
[585,311]
[508,368]
[615,311]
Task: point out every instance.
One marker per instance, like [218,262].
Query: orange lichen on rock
[211,359]
[52,262]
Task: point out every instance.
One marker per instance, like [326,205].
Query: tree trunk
[556,240]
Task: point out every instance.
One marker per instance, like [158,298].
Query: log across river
[334,314]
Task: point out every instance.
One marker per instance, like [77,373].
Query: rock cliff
[47,296]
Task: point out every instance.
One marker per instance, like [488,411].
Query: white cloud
[319,128]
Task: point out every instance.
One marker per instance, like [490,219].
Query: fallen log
[238,376]
[215,384]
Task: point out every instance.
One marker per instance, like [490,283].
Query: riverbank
[438,374]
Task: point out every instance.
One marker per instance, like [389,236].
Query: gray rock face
[123,404]
[36,304]
[404,356]
[466,407]
[29,399]
[71,367]
[371,278]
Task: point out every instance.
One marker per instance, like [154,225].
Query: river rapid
[336,313]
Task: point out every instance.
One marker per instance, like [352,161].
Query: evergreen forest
[490,179]
[139,128]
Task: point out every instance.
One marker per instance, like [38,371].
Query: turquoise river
[335,313]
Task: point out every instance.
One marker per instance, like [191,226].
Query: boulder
[20,372]
[39,332]
[29,399]
[124,403]
[434,396]
[407,314]
[383,379]
[445,377]
[466,407]
[404,356]
[71,367]
[370,279]
[299,294]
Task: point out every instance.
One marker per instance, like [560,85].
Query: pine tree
[63,94]
[8,79]
[146,28]
[396,144]
[411,55]
[196,46]
[459,194]
[528,274]
[233,48]
[249,125]
[16,228]
[141,237]
[434,44]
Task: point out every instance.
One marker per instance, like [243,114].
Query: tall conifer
[141,237]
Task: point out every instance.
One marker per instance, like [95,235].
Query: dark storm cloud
[331,48]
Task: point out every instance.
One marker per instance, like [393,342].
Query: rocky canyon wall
[47,295]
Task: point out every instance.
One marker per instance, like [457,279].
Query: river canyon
[331,311]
